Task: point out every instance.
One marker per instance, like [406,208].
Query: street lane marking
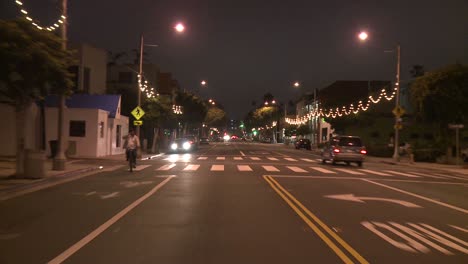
[375,172]
[459,228]
[427,175]
[84,241]
[308,160]
[453,177]
[419,196]
[254,158]
[350,171]
[294,204]
[290,159]
[322,170]
[166,167]
[238,158]
[242,153]
[217,168]
[274,159]
[191,167]
[295,169]
[202,158]
[220,158]
[244,168]
[402,174]
[270,168]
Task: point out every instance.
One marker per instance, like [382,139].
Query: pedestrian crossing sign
[138,113]
[398,111]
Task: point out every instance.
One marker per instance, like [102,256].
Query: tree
[33,66]
[417,71]
[194,110]
[303,130]
[441,96]
[215,117]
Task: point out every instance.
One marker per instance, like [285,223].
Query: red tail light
[191,142]
[363,151]
[336,150]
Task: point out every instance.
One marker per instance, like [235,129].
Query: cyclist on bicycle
[131,144]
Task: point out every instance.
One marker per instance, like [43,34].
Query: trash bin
[53,144]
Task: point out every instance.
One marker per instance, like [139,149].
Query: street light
[179,28]
[203,83]
[297,84]
[396,156]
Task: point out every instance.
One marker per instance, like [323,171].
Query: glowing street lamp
[363,35]
[297,84]
[179,27]
[203,82]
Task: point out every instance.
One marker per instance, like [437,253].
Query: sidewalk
[74,169]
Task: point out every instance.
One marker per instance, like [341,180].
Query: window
[101,129]
[125,77]
[77,128]
[118,135]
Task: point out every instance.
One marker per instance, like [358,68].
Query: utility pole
[140,74]
[396,155]
[60,159]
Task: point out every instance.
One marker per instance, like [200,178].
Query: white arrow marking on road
[352,198]
[112,195]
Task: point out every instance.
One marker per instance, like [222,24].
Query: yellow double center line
[312,221]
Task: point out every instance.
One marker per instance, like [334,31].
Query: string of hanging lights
[35,22]
[339,112]
[146,88]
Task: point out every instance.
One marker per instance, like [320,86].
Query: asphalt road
[242,203]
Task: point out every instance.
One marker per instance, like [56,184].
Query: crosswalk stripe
[220,158]
[217,167]
[295,169]
[238,158]
[244,168]
[375,172]
[290,159]
[191,167]
[203,158]
[350,171]
[272,158]
[427,175]
[308,160]
[402,174]
[254,158]
[322,170]
[270,168]
[167,167]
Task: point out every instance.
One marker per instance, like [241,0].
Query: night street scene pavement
[233,132]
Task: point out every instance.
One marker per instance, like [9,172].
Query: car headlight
[186,145]
[174,146]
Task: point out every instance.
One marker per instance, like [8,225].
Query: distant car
[182,145]
[344,149]
[266,140]
[303,143]
[204,141]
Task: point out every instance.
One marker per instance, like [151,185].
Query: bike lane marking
[295,205]
[87,239]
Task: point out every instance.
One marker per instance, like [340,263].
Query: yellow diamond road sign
[138,113]
[398,111]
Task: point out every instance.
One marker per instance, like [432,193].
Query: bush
[427,155]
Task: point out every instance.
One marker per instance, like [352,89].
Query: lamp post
[396,155]
[179,27]
[60,159]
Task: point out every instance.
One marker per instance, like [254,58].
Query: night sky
[244,49]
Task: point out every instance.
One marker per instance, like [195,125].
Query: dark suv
[303,143]
[344,149]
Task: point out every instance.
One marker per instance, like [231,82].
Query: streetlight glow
[179,27]
[297,84]
[203,82]
[363,35]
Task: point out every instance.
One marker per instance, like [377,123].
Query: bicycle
[131,159]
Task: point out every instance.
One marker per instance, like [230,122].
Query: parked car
[344,149]
[182,145]
[204,141]
[303,143]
